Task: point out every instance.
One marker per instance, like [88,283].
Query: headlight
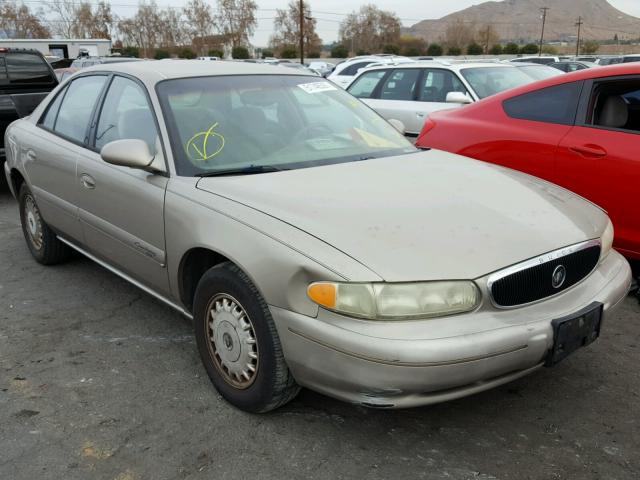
[396,301]
[606,240]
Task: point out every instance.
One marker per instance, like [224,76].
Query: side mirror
[132,153]
[398,125]
[458,97]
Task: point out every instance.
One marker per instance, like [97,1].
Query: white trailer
[63,48]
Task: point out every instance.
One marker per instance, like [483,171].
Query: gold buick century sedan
[310,242]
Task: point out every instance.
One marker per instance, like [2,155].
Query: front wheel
[238,342]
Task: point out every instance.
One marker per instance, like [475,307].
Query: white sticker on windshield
[317,87]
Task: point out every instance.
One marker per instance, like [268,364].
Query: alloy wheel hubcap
[34,222]
[231,341]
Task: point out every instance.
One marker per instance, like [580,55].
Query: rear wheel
[238,342]
[41,240]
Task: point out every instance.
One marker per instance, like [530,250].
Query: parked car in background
[346,71]
[84,62]
[630,58]
[384,276]
[411,92]
[572,66]
[543,60]
[322,68]
[209,58]
[25,79]
[580,130]
[64,73]
[298,66]
[585,58]
[611,60]
[537,71]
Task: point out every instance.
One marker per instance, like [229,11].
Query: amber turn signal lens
[323,294]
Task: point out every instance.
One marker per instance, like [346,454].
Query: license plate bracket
[574,331]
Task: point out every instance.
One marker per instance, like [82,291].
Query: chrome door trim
[539,260]
[126,277]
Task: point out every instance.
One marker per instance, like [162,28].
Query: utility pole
[579,25]
[544,11]
[302,32]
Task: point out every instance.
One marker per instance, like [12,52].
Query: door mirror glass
[132,153]
[458,97]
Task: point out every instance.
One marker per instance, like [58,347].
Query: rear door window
[436,84]
[615,105]
[49,120]
[365,84]
[400,85]
[556,104]
[77,107]
[28,68]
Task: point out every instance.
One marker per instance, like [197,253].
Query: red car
[580,131]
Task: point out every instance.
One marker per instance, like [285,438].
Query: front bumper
[413,363]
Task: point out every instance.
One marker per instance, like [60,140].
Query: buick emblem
[558,276]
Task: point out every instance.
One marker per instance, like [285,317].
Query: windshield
[242,122]
[541,72]
[487,81]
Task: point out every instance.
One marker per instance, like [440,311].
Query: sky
[329,13]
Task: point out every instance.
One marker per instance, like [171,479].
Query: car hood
[422,216]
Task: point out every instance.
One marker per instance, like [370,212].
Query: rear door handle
[87,181]
[31,155]
[591,151]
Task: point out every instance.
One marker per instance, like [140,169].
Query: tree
[496,49]
[339,51]
[474,49]
[64,12]
[454,51]
[187,53]
[144,29]
[237,20]
[287,29]
[240,52]
[370,29]
[590,47]
[289,52]
[215,53]
[549,50]
[313,55]
[200,21]
[458,34]
[90,23]
[267,53]
[487,37]
[511,49]
[131,52]
[529,49]
[21,21]
[160,54]
[435,50]
[391,49]
[412,46]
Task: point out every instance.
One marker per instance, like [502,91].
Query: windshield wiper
[250,170]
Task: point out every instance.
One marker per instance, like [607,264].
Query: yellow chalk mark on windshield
[199,145]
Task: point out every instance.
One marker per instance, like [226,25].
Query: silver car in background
[310,242]
[410,92]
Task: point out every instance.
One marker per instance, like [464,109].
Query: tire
[42,242]
[230,338]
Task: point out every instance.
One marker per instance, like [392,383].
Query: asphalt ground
[101,381]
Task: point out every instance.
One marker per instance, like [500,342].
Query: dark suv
[25,79]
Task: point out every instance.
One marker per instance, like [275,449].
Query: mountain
[520,20]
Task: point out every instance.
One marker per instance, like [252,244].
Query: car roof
[153,71]
[451,65]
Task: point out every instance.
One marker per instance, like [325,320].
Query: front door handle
[590,151]
[87,181]
[31,156]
